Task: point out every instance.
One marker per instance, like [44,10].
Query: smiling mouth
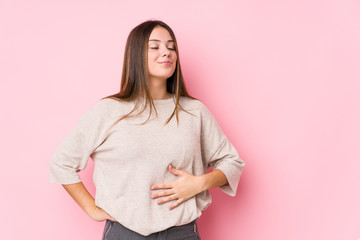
[165,63]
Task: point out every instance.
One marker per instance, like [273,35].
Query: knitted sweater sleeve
[72,154]
[218,152]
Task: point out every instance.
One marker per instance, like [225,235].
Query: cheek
[151,61]
[151,67]
[152,56]
[175,61]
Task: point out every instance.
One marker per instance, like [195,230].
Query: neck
[158,89]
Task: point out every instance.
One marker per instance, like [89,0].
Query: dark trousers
[116,231]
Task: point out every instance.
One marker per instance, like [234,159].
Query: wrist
[90,209]
[203,179]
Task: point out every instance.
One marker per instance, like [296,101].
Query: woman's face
[161,55]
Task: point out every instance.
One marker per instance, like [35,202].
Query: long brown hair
[134,79]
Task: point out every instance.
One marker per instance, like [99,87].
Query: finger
[167,199]
[161,185]
[111,218]
[161,194]
[177,203]
[174,170]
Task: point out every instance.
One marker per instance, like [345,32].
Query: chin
[165,75]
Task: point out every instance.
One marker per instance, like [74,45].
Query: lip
[167,63]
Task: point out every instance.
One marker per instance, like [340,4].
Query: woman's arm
[187,186]
[87,203]
[215,178]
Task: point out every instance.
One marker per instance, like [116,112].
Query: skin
[187,185]
[160,49]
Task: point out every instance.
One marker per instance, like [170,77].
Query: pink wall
[281,77]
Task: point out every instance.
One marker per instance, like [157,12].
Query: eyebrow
[157,40]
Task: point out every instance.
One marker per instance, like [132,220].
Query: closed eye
[173,49]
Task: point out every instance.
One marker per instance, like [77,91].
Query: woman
[151,144]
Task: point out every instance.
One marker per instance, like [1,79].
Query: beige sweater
[129,158]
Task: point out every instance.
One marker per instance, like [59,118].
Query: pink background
[281,78]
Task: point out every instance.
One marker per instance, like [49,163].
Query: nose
[165,52]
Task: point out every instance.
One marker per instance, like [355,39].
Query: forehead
[160,34]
